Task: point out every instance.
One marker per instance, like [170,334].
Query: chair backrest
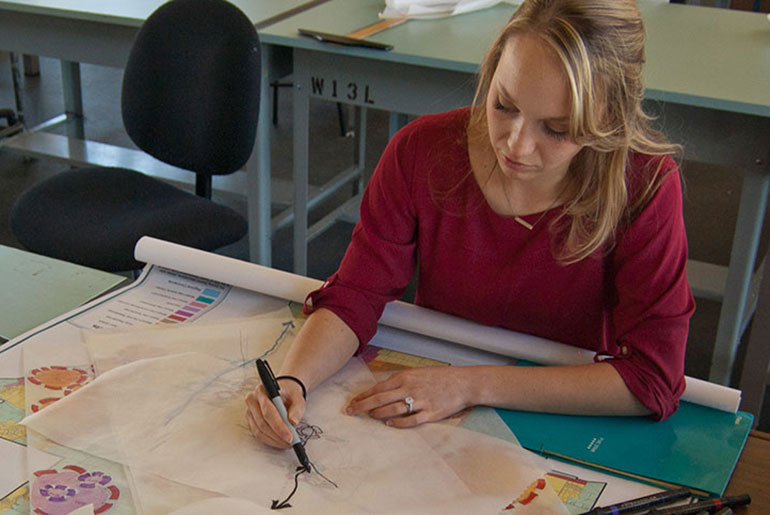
[190,92]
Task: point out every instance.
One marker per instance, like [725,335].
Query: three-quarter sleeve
[380,260]
[650,314]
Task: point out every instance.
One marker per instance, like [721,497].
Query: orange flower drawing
[55,377]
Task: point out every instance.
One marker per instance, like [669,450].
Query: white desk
[710,68]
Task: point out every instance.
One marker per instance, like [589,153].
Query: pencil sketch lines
[287,326]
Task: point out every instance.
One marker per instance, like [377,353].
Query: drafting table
[35,289]
[707,68]
[101,33]
[749,476]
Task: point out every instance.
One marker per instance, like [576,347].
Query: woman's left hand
[435,393]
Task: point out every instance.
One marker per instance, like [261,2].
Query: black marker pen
[272,388]
[643,503]
[709,505]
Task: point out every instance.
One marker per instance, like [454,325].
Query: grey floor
[711,194]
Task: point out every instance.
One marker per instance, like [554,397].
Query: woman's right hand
[322,346]
[264,420]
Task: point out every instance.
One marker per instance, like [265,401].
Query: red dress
[423,209]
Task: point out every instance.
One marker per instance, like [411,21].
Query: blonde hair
[600,43]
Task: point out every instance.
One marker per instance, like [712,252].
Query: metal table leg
[742,258]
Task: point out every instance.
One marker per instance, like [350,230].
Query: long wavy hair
[600,44]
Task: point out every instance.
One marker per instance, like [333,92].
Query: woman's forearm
[323,346]
[325,343]
[593,389]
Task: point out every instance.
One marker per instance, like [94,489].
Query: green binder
[697,447]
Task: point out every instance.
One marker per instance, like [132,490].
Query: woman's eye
[556,134]
[501,107]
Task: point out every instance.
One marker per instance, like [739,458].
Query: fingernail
[388,422]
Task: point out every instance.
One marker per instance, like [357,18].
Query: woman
[551,207]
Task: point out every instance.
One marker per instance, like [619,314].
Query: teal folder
[697,447]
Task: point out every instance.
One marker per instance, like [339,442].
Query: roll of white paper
[417,319]
[235,272]
[402,315]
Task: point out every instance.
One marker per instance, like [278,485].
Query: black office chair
[190,98]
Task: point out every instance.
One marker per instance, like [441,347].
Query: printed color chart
[203,301]
[170,297]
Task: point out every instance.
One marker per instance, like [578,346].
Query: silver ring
[409,401]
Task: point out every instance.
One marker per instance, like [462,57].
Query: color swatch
[194,307]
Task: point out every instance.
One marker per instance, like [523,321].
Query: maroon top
[423,207]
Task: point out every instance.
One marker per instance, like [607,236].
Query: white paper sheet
[228,505]
[13,473]
[153,432]
[237,339]
[56,339]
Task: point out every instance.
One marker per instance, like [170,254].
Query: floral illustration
[58,492]
[62,380]
[54,377]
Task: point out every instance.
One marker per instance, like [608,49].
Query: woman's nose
[521,141]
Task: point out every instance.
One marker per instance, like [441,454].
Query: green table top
[134,12]
[701,56]
[35,289]
[456,43]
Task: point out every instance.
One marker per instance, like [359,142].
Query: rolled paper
[402,315]
[235,272]
[436,324]
[712,395]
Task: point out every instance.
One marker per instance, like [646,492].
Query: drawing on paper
[381,360]
[305,432]
[12,410]
[528,495]
[60,379]
[66,379]
[56,492]
[578,495]
[16,503]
